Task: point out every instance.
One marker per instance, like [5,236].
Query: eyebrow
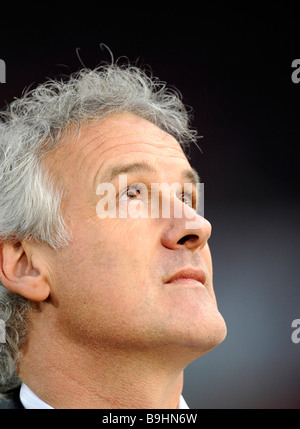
[189,174]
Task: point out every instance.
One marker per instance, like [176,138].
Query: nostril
[190,237]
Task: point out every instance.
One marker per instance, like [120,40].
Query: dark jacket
[12,400]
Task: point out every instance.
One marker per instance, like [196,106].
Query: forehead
[117,138]
[121,133]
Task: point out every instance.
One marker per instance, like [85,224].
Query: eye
[133,191]
[187,199]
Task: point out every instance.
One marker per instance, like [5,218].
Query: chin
[213,339]
[203,337]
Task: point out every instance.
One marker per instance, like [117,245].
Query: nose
[190,230]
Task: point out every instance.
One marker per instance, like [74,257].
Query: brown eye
[187,199]
[132,192]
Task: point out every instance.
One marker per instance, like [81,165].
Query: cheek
[206,257]
[107,263]
[98,291]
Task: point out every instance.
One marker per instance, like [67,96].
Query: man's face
[113,284]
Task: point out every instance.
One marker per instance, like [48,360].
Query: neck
[71,375]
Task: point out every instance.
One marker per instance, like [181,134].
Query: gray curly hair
[30,199]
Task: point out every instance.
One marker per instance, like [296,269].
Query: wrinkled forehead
[122,136]
[124,132]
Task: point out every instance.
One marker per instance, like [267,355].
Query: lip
[189,276]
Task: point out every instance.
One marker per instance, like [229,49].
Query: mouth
[188,276]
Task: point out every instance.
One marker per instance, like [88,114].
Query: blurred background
[235,71]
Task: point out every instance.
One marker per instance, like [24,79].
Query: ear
[22,271]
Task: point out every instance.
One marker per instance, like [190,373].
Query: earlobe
[20,275]
[33,288]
